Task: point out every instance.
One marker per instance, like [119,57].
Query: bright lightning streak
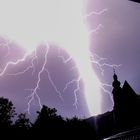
[76,90]
[54,86]
[37,87]
[62,23]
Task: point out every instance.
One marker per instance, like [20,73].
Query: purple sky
[118,41]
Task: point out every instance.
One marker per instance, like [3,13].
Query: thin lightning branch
[101,65]
[96,13]
[75,93]
[99,61]
[13,63]
[103,85]
[74,81]
[20,73]
[106,91]
[96,29]
[69,84]
[106,85]
[32,66]
[77,82]
[61,56]
[54,86]
[97,57]
[65,60]
[34,93]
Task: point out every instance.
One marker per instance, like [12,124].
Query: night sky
[118,40]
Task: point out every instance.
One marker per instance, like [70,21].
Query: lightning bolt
[14,63]
[11,63]
[33,59]
[100,62]
[37,87]
[76,82]
[99,26]
[93,58]
[53,84]
[104,87]
[34,91]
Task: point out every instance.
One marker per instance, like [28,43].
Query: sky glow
[31,23]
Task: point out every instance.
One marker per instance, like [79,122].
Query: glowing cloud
[33,22]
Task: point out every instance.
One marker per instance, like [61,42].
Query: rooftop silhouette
[125,114]
[136,1]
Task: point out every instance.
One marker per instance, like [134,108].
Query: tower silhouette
[125,114]
[126,104]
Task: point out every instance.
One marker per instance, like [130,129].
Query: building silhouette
[125,115]
[126,105]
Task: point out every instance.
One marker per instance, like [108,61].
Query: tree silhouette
[124,116]
[23,122]
[47,118]
[48,122]
[7,112]
[80,128]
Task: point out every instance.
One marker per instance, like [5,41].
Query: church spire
[116,83]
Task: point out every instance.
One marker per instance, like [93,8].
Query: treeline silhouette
[125,116]
[48,124]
